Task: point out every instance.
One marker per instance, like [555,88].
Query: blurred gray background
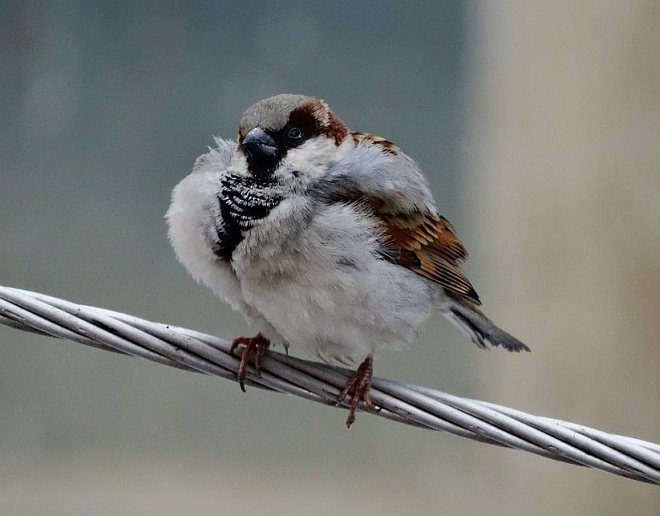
[538,124]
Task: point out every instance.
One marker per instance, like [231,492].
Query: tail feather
[479,328]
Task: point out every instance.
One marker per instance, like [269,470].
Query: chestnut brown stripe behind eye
[316,119]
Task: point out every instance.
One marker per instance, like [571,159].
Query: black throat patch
[243,200]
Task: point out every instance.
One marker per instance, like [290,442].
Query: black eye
[295,133]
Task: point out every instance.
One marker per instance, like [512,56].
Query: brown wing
[424,242]
[372,139]
[428,245]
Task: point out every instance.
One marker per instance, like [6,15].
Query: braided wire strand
[414,405]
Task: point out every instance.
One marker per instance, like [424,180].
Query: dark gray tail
[479,328]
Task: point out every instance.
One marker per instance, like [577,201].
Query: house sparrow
[325,239]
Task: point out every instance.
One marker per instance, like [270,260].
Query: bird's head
[289,137]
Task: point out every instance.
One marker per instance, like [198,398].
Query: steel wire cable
[414,405]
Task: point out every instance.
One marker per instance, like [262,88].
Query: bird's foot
[359,386]
[256,346]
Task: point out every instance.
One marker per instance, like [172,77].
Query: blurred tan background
[538,124]
[564,139]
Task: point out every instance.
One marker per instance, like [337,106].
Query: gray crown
[272,113]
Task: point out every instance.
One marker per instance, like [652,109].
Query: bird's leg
[359,386]
[257,346]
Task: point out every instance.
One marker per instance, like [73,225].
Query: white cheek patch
[309,161]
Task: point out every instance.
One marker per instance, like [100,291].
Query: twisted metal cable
[410,404]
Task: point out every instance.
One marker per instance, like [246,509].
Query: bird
[326,240]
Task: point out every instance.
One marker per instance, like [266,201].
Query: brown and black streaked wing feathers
[372,139]
[422,241]
[428,245]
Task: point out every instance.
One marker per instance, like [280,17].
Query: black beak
[260,147]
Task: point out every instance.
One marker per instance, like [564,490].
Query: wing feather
[417,237]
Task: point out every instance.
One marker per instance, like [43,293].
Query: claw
[257,345]
[359,386]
